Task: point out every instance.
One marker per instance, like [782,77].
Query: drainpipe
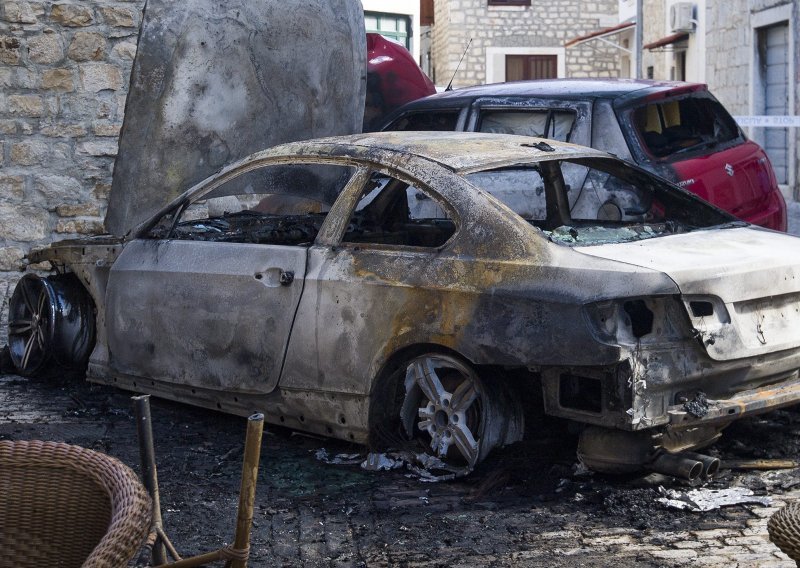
[639,35]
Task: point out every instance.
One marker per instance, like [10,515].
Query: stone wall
[543,24]
[64,73]
[728,48]
[729,56]
[655,26]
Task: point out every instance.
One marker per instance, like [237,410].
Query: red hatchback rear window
[682,126]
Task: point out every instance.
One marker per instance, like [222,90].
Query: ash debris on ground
[530,504]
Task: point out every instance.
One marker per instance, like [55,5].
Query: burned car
[404,288]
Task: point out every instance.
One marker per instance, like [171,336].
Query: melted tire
[51,326]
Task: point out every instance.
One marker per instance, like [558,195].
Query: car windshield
[597,201]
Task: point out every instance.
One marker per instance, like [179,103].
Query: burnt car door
[378,261]
[207,298]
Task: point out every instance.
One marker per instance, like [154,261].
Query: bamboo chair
[66,506]
[158,544]
[784,530]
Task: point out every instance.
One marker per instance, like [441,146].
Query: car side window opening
[393,212]
[276,204]
[441,120]
[680,126]
[542,123]
[613,203]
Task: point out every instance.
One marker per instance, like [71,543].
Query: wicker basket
[784,530]
[63,505]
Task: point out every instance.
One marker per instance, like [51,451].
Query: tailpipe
[710,464]
[677,465]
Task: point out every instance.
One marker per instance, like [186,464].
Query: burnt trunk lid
[740,286]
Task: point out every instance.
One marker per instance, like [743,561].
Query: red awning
[664,41]
[600,33]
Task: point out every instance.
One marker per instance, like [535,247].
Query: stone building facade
[747,53]
[753,67]
[502,29]
[64,73]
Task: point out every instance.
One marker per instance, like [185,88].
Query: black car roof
[566,88]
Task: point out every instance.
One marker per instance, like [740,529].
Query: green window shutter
[394,27]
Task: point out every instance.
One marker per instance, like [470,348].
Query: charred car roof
[459,151]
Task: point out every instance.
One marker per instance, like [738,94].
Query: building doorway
[772,92]
[527,67]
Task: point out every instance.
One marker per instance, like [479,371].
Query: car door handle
[286,278]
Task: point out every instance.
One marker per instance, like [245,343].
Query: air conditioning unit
[681,17]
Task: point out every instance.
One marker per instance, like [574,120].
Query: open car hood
[207,91]
[740,286]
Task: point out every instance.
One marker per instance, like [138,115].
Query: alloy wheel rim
[28,326]
[449,408]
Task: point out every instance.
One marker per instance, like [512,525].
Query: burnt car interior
[393,212]
[390,212]
[578,201]
[605,202]
[276,204]
[684,125]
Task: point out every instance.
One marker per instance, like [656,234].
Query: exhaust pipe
[677,465]
[710,465]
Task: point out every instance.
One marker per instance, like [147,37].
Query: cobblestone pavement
[526,507]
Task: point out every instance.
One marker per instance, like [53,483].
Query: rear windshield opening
[591,201]
[681,126]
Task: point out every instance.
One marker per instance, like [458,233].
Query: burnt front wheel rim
[30,325]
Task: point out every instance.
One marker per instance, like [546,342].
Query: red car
[677,130]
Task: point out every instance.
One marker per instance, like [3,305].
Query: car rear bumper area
[749,402]
[674,386]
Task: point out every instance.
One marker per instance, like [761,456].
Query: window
[509,2]
[521,189]
[682,126]
[528,67]
[394,212]
[543,123]
[440,120]
[394,27]
[595,201]
[426,13]
[277,204]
